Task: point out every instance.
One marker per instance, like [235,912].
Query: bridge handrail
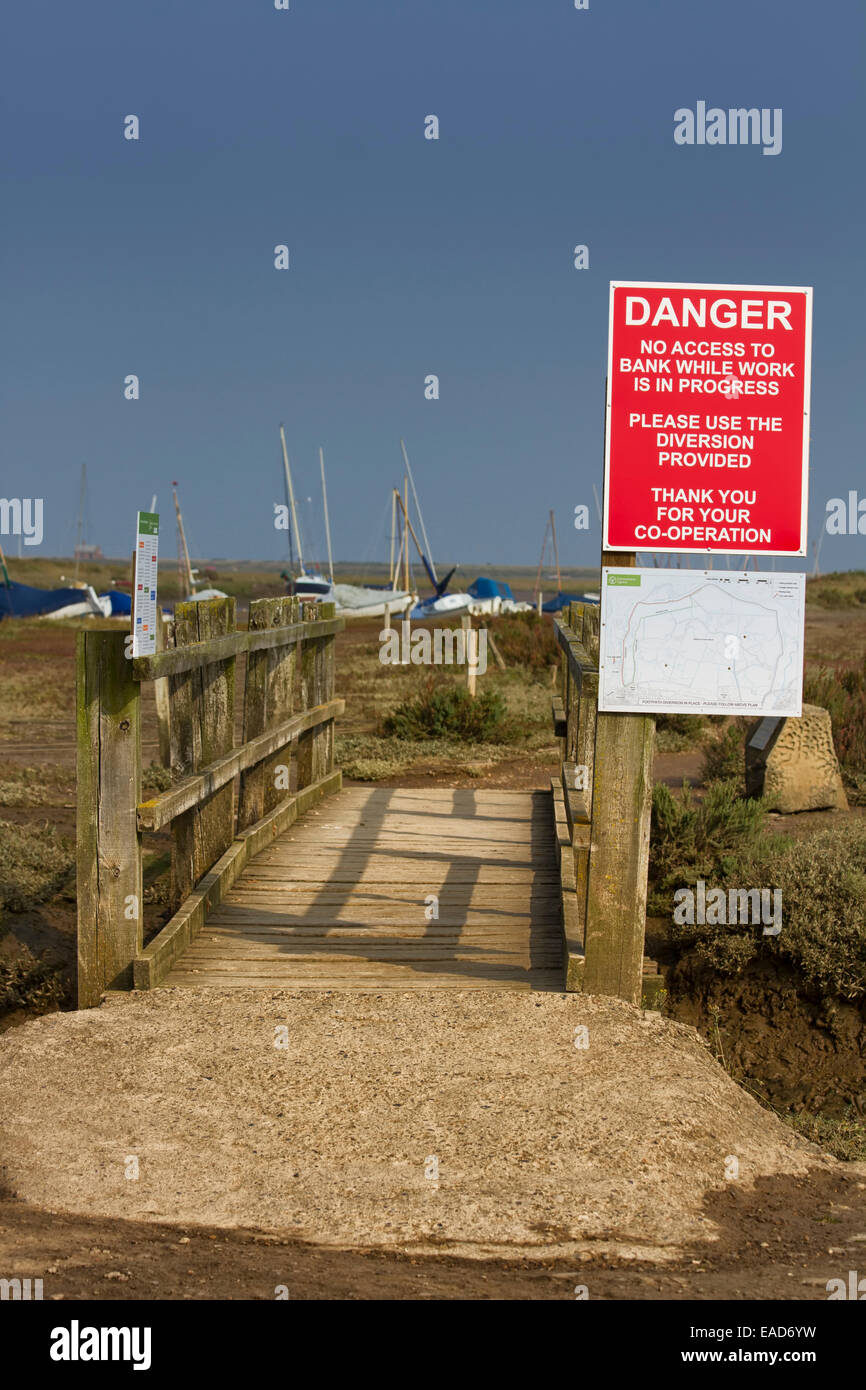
[288,719]
[163,809]
[176,660]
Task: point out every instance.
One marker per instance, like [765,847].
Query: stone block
[793,764]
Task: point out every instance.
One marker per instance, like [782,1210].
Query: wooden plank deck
[338,902]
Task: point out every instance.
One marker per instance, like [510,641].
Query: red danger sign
[707,444]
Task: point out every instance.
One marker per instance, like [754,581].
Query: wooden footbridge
[282,878]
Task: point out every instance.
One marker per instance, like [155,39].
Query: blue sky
[408,256]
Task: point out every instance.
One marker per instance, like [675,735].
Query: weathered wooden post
[587,703]
[323,689]
[160,694]
[470,653]
[202,728]
[621,782]
[584,760]
[269,693]
[306,700]
[108,841]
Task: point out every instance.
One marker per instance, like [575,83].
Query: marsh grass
[725,756]
[822,882]
[35,863]
[46,785]
[446,711]
[843,693]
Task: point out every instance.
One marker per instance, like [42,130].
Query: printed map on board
[701,642]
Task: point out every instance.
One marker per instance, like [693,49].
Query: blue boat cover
[24,601]
[490,588]
[121,603]
[555,605]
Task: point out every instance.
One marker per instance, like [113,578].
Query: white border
[149,607]
[672,707]
[807,392]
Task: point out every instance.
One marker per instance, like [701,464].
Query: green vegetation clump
[29,984]
[677,732]
[822,882]
[837,590]
[35,863]
[524,639]
[844,1138]
[155,778]
[35,786]
[691,840]
[831,597]
[692,725]
[823,886]
[447,711]
[725,758]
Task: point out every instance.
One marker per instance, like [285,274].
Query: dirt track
[547,1152]
[784,1240]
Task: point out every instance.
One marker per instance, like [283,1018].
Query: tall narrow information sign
[144,596]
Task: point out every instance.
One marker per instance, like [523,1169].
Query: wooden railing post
[202,727]
[268,700]
[160,695]
[619,848]
[108,840]
[570,692]
[326,686]
[584,747]
[584,762]
[307,686]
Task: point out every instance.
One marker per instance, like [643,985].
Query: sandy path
[544,1149]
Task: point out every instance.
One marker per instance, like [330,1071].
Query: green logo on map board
[623,579]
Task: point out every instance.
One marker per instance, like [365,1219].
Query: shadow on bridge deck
[398,889]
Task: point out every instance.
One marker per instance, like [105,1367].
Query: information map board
[701,642]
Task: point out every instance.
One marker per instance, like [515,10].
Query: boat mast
[186,575]
[393,524]
[555,552]
[327,522]
[816,571]
[409,530]
[291,492]
[406,514]
[395,573]
[427,549]
[541,559]
[79,535]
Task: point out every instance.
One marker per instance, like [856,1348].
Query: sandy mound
[543,1148]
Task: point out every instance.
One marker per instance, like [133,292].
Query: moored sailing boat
[352,600]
